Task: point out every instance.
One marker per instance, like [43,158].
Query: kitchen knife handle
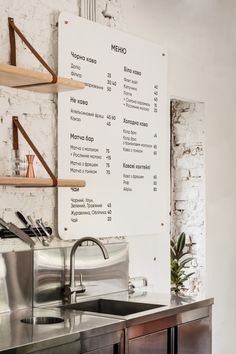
[22,218]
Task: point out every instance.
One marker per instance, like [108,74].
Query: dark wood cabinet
[188,332]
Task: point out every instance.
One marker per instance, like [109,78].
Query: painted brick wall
[188,184]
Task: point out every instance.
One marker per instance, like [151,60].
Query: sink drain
[42,320]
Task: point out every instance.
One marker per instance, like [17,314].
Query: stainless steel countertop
[14,333]
[173,305]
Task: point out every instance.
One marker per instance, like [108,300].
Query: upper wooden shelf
[14,76]
[39,182]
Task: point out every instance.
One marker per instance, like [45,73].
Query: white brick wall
[188,184]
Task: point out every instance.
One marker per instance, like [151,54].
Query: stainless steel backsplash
[51,272]
[16,274]
[37,277]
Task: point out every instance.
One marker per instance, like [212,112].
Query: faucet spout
[71,290]
[92,239]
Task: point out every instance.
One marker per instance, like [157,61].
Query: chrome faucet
[71,290]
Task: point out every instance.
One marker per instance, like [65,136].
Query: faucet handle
[79,289]
[70,292]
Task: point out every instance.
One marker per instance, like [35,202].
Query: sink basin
[112,307]
[42,320]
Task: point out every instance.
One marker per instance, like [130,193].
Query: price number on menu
[155,98]
[108,161]
[110,118]
[155,183]
[109,212]
[110,83]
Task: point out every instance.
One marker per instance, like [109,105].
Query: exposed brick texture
[188,185]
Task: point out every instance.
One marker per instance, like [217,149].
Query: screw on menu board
[65,228]
[163,54]
[66,22]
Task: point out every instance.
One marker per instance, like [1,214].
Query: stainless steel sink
[112,307]
[42,320]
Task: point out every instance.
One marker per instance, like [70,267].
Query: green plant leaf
[180,243]
[172,253]
[178,262]
[185,254]
[172,243]
[185,261]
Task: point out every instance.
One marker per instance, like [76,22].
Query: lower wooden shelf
[39,182]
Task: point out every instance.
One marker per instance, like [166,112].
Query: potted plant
[179,260]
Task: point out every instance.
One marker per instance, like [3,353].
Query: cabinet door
[154,343]
[195,337]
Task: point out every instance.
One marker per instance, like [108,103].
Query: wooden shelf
[39,182]
[14,76]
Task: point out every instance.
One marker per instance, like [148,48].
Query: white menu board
[113,134]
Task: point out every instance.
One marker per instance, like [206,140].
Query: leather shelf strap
[17,125]
[14,29]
